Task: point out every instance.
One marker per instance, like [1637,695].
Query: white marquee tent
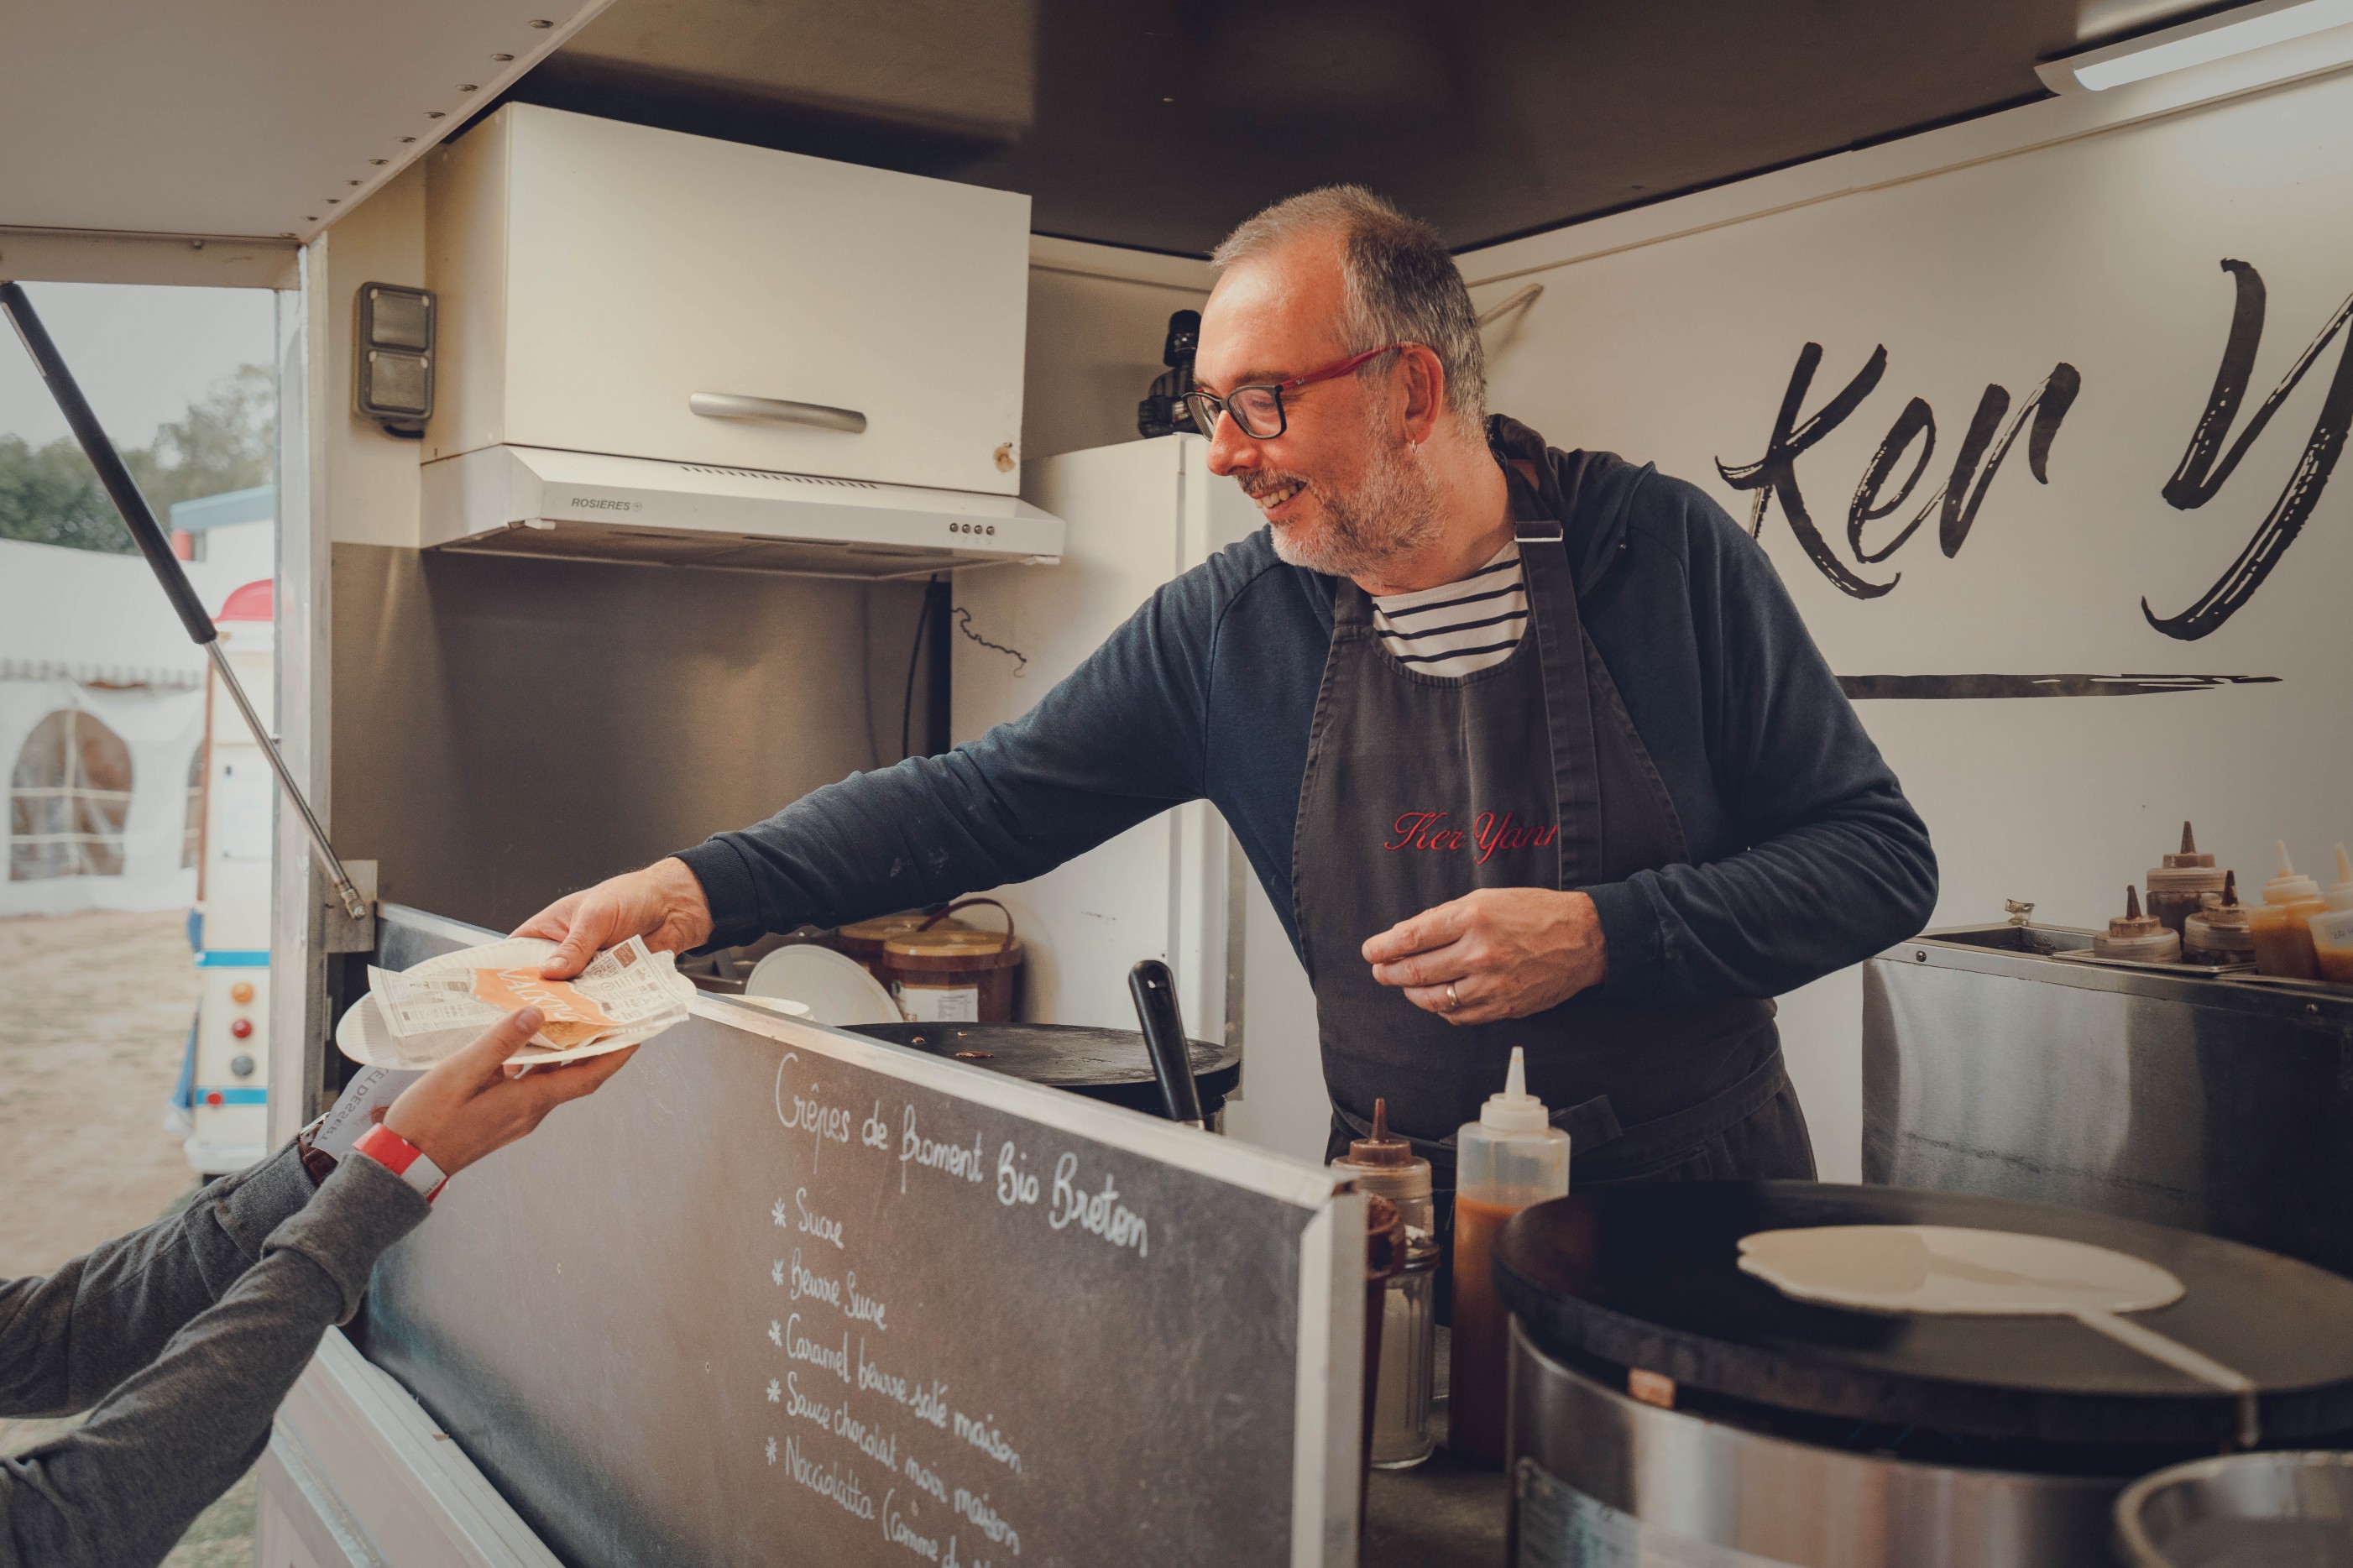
[102,720]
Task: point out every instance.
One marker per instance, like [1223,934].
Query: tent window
[67,800]
[192,835]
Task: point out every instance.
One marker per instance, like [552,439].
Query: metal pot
[2242,1511]
[1600,1477]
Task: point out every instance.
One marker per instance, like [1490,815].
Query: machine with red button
[231,1109]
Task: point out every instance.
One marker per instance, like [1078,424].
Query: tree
[226,442]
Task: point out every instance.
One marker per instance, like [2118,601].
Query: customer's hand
[663,903]
[473,1102]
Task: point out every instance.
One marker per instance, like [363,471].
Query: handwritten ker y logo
[2203,470]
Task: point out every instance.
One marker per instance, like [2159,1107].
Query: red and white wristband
[403,1159]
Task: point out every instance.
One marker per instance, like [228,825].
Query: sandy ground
[94,1012]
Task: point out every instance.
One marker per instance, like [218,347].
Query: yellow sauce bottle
[2332,931]
[2281,924]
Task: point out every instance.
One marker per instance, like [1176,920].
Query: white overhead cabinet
[606,287]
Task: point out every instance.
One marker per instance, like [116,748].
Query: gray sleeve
[187,1334]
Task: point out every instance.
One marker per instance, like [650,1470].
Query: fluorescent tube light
[2233,32]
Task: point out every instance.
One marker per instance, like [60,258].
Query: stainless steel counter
[2220,1105]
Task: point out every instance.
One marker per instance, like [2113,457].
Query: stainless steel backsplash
[507,731]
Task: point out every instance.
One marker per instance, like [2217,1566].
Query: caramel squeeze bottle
[2138,936]
[2177,888]
[1509,1159]
[1387,1165]
[2332,931]
[2217,932]
[2281,924]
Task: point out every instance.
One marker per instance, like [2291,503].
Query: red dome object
[241,1027]
[253,602]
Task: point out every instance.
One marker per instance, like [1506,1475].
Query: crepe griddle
[1101,1063]
[1648,1277]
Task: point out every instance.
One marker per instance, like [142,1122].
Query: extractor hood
[534,501]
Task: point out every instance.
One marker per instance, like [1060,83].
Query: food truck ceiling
[261,119]
[1155,124]
[1159,123]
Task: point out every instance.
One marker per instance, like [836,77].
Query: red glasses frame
[1248,414]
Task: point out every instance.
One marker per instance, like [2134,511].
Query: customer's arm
[187,1334]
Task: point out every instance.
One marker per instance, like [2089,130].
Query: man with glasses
[1529,747]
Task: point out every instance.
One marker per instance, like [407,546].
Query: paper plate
[836,989]
[363,1036]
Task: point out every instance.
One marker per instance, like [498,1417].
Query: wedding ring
[1452,1001]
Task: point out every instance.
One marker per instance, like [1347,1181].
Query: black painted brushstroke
[1917,419]
[2048,404]
[1775,473]
[1774,476]
[1860,688]
[2200,477]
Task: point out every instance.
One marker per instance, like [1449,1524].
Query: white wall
[2087,233]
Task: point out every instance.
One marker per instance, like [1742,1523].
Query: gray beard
[1392,513]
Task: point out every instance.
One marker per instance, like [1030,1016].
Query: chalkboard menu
[779,1294]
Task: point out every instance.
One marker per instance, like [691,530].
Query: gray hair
[1400,284]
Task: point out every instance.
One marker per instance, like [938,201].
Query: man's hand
[468,1106]
[663,903]
[1507,952]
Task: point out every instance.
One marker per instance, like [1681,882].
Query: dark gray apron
[1423,788]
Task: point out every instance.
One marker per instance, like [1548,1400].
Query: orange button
[241,1028]
[241,991]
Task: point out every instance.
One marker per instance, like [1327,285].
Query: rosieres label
[938,1003]
[1481,837]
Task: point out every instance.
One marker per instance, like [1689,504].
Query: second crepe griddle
[1101,1063]
[1648,1277]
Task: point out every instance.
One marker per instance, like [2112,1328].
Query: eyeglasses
[1258,408]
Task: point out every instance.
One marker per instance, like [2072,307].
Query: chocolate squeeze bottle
[2136,935]
[1509,1159]
[2281,924]
[1401,1398]
[2177,887]
[2332,931]
[2217,932]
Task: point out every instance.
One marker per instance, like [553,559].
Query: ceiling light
[2232,32]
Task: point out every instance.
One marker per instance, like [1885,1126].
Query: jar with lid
[1385,1167]
[946,973]
[2180,885]
[2138,936]
[2217,932]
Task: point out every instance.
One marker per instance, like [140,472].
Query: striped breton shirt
[1458,629]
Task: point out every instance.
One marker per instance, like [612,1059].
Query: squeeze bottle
[2281,924]
[2177,886]
[1509,1159]
[2332,931]
[2217,932]
[1387,1166]
[2136,935]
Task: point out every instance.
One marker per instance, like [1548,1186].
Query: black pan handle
[1154,991]
[120,488]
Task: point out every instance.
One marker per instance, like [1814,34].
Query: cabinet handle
[736,405]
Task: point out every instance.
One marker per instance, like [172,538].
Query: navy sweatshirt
[1806,857]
